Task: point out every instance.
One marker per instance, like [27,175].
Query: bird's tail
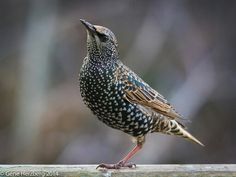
[173,127]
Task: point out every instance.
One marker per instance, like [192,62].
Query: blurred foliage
[184,49]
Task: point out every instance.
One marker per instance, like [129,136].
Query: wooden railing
[207,170]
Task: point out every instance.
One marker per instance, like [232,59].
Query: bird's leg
[123,162]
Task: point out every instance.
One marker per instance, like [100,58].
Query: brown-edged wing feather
[151,100]
[137,91]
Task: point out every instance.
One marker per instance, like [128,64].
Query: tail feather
[172,127]
[185,134]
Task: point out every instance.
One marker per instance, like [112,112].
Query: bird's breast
[96,85]
[104,95]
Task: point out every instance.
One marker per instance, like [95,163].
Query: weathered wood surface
[207,170]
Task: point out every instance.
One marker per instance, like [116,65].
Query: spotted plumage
[120,98]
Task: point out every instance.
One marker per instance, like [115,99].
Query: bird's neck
[101,57]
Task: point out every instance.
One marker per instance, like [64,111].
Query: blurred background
[185,49]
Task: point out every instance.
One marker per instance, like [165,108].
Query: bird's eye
[102,37]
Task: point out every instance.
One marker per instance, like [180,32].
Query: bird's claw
[118,165]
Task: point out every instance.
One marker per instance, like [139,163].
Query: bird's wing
[137,91]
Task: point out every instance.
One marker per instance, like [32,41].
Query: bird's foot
[118,165]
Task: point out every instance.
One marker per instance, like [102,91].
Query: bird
[120,98]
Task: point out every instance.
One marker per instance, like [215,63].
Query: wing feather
[137,91]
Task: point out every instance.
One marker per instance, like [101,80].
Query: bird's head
[101,42]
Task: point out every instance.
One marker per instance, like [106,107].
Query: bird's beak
[88,26]
[92,33]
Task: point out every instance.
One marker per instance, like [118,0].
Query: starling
[120,98]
